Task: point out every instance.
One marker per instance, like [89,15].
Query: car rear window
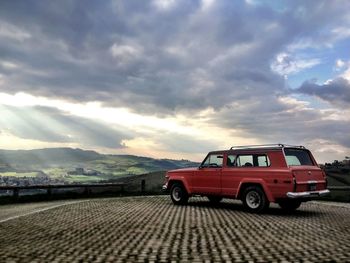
[295,157]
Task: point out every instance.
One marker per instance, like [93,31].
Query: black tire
[214,199]
[178,194]
[254,199]
[289,205]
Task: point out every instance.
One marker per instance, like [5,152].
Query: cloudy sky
[175,79]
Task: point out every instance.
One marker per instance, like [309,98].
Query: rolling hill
[77,165]
[32,159]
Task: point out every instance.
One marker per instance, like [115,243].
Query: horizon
[141,156]
[89,150]
[171,79]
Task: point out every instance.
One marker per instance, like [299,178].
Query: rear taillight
[294,182]
[325,178]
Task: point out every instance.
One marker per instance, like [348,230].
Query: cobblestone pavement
[144,229]
[10,211]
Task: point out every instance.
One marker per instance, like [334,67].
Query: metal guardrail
[86,187]
[335,188]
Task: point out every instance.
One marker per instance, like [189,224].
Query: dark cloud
[129,53]
[280,121]
[336,91]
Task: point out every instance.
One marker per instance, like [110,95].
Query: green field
[17,174]
[63,164]
[83,179]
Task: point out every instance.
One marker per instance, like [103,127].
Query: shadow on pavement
[238,206]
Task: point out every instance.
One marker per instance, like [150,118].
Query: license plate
[312,187]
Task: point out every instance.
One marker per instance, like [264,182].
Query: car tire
[254,199]
[178,194]
[289,205]
[214,199]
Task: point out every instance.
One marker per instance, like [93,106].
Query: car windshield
[295,157]
[213,160]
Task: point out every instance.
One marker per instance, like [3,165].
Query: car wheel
[178,194]
[289,205]
[254,199]
[214,199]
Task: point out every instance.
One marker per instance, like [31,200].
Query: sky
[175,78]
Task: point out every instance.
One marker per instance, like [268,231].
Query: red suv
[257,175]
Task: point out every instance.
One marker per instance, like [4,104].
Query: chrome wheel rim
[176,193]
[253,199]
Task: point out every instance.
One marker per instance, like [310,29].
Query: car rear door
[308,178]
[307,175]
[240,167]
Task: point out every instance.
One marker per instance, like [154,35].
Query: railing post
[86,190]
[143,186]
[49,191]
[15,192]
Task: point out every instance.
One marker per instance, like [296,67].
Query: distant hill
[46,157]
[77,165]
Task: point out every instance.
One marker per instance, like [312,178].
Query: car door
[207,179]
[231,176]
[243,166]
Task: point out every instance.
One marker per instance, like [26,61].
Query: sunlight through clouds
[94,110]
[151,126]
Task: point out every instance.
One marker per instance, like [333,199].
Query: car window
[292,160]
[263,161]
[213,160]
[252,160]
[244,160]
[297,157]
[230,160]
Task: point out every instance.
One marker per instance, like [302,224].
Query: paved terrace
[144,229]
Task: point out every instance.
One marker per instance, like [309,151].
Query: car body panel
[276,177]
[206,181]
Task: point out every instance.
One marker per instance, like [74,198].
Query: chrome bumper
[308,194]
[165,187]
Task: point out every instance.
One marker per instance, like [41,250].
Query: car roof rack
[280,145]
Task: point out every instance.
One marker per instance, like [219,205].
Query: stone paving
[10,211]
[152,229]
